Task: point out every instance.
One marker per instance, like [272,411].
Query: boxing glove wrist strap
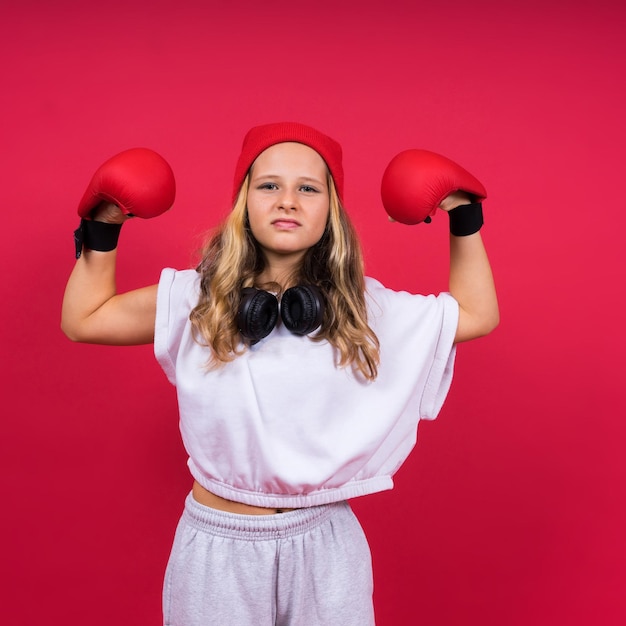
[99,236]
[466,219]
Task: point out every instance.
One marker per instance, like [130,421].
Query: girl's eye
[308,189]
[270,186]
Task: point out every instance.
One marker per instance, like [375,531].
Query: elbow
[473,327]
[492,322]
[489,322]
[69,333]
[480,330]
[72,331]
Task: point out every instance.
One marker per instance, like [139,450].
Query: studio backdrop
[511,509]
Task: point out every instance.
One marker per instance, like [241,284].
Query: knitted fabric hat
[260,138]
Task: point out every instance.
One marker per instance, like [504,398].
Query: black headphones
[301,309]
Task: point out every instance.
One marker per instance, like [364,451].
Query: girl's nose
[287,199]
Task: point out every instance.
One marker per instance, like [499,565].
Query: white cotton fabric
[281,425]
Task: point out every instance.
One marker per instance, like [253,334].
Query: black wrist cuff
[98,236]
[466,219]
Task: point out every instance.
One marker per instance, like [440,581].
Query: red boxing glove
[138,180]
[417,181]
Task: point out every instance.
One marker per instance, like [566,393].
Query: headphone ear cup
[257,314]
[302,309]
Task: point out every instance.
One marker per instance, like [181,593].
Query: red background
[512,508]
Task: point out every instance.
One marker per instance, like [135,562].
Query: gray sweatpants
[309,567]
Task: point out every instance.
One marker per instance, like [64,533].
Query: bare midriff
[201,495]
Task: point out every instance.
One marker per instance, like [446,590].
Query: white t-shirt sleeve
[417,351]
[177,294]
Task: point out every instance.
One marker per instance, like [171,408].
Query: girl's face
[288,201]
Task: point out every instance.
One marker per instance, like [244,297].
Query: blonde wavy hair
[232,259]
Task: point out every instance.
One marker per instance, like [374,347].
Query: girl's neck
[280,274]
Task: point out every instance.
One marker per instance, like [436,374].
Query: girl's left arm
[471,280]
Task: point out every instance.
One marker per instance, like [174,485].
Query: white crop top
[282,425]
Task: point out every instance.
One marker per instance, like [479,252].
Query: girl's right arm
[93,311]
[134,182]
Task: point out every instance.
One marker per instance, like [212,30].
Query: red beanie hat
[260,138]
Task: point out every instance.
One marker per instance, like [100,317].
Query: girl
[300,381]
